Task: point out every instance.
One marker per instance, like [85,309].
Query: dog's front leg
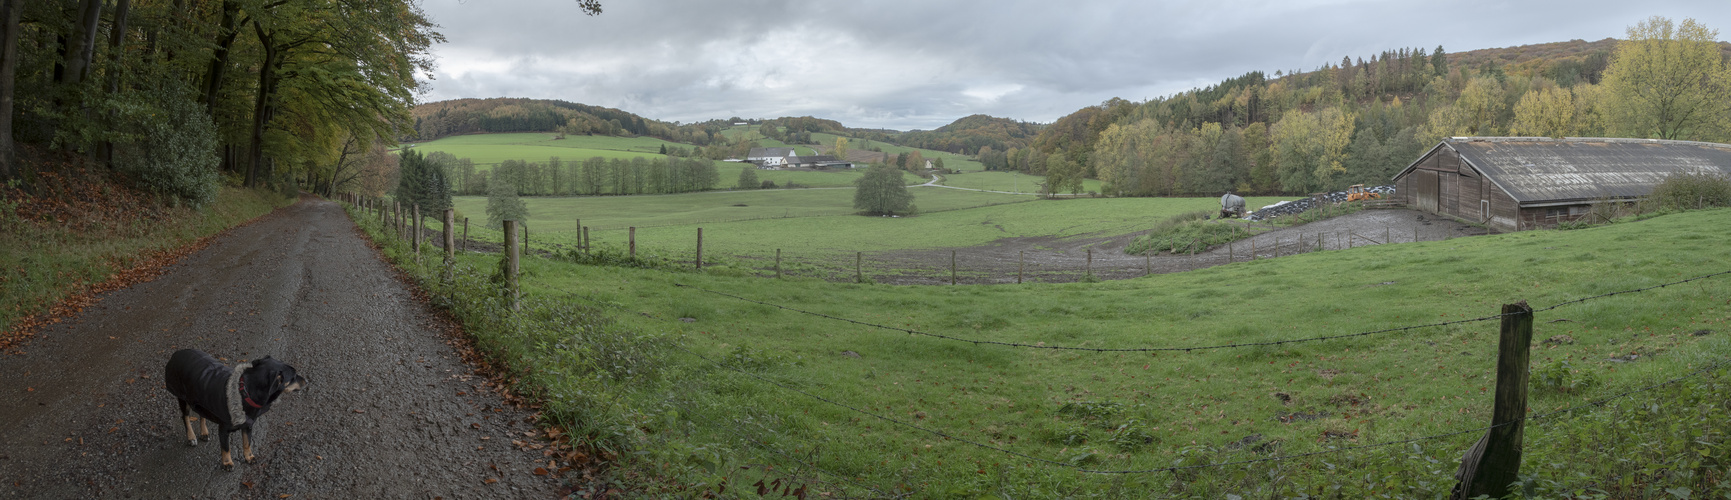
[222,437]
[246,443]
[187,417]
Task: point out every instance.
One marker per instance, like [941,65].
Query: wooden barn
[1518,183]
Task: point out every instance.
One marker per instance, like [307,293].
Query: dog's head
[279,377]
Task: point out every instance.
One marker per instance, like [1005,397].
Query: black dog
[233,397]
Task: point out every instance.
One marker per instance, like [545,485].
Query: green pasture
[1006,181]
[736,405]
[815,225]
[951,160]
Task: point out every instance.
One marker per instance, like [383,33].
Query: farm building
[818,161]
[768,157]
[1517,183]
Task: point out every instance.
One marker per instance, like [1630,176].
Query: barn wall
[1505,212]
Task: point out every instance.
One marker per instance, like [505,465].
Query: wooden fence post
[700,249]
[450,236]
[952,267]
[1147,264]
[1020,256]
[1229,256]
[1252,248]
[511,262]
[416,230]
[1387,235]
[1088,268]
[778,263]
[858,257]
[586,239]
[1415,234]
[631,236]
[1495,461]
[465,234]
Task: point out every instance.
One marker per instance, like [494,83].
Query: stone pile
[1303,204]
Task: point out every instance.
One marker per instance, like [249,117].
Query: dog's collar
[245,397]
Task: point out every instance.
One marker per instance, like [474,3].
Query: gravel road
[391,411]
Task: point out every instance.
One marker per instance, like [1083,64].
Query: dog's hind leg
[246,444]
[187,416]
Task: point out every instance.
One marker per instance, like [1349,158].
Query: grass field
[751,384]
[1007,181]
[817,224]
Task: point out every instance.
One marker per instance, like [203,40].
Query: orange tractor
[1356,192]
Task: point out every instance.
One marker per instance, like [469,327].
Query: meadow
[892,408]
[818,226]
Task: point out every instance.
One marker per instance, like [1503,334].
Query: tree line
[171,92]
[1363,121]
[594,176]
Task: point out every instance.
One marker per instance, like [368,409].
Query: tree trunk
[116,49]
[261,104]
[219,60]
[9,12]
[82,45]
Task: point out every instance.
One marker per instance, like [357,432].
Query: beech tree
[881,192]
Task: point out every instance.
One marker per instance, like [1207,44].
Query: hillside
[970,133]
[1356,121]
[440,119]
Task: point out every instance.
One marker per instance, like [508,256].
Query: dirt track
[391,411]
[1054,260]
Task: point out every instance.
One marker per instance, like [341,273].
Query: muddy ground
[392,411]
[1055,260]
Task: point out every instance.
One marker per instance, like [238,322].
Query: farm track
[392,410]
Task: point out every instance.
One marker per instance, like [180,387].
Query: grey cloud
[920,64]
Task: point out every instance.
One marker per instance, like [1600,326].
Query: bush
[167,143]
[1187,233]
[1681,191]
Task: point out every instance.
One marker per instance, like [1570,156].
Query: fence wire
[1042,345]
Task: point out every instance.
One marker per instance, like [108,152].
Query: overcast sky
[921,64]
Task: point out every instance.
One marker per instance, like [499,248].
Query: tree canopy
[881,192]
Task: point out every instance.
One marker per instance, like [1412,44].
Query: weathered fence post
[1020,256]
[1387,235]
[700,249]
[1495,461]
[585,239]
[778,263]
[1147,264]
[1088,268]
[450,240]
[465,234]
[1229,256]
[1252,248]
[416,230]
[631,236]
[511,262]
[952,267]
[858,257]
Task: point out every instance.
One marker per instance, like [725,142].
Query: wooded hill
[1361,121]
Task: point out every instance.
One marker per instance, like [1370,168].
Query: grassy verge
[85,230]
[737,392]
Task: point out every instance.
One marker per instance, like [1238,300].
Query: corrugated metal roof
[1538,170]
[769,153]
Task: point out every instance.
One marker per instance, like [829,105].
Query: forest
[173,94]
[1361,121]
[595,176]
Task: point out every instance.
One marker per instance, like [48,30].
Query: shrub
[167,143]
[1684,191]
